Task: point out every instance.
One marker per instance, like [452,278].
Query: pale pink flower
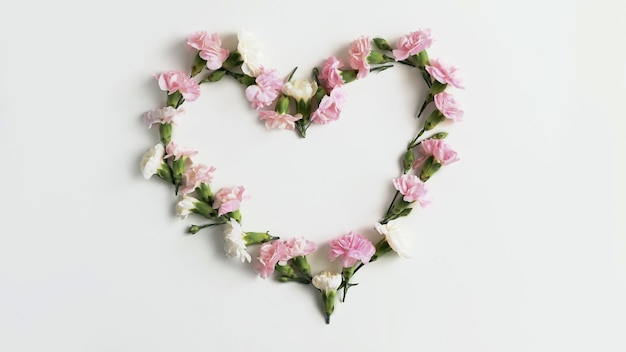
[350,248]
[274,119]
[209,47]
[163,115]
[413,189]
[359,51]
[439,149]
[444,73]
[448,106]
[178,151]
[265,90]
[299,246]
[173,81]
[330,106]
[331,74]
[194,176]
[270,254]
[412,43]
[229,199]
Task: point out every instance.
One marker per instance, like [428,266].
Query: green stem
[413,144]
[195,228]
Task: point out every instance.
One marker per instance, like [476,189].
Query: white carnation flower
[185,206]
[300,90]
[234,244]
[251,51]
[152,160]
[327,281]
[397,237]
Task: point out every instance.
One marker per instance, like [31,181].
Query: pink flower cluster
[444,73]
[229,199]
[173,81]
[350,248]
[266,90]
[448,106]
[209,47]
[331,73]
[163,115]
[359,51]
[412,43]
[330,106]
[413,189]
[280,252]
[194,176]
[178,151]
[439,149]
[274,119]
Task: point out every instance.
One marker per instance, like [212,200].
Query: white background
[523,249]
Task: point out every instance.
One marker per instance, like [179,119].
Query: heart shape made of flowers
[296,105]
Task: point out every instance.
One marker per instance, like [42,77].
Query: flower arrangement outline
[288,104]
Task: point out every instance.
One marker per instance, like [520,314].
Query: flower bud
[376,57]
[440,135]
[382,44]
[251,238]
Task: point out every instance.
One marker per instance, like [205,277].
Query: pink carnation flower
[210,47]
[298,247]
[331,75]
[177,151]
[359,51]
[194,176]
[163,115]
[173,81]
[276,120]
[412,43]
[330,106]
[228,199]
[448,106]
[444,73]
[266,90]
[350,248]
[439,149]
[413,189]
[270,254]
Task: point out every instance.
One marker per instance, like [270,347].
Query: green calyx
[198,65]
[431,165]
[257,237]
[233,60]
[382,44]
[165,132]
[433,120]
